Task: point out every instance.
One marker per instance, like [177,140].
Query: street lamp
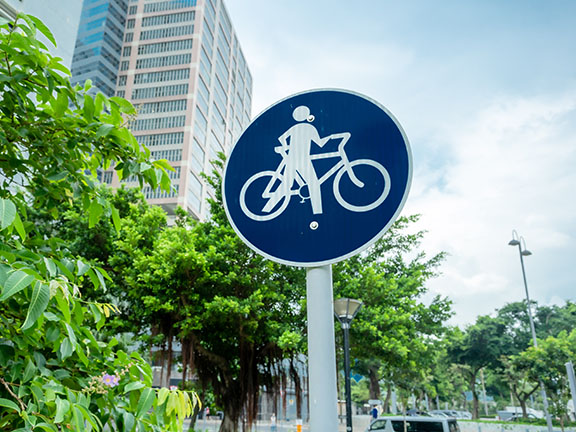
[519,241]
[345,310]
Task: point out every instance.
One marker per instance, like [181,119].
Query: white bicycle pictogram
[278,193]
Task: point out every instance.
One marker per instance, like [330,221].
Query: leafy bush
[56,373]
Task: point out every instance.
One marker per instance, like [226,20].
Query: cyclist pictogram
[317,177]
[295,174]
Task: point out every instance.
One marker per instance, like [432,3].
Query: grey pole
[572,381]
[348,388]
[323,397]
[518,242]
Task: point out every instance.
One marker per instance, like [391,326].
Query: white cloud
[511,166]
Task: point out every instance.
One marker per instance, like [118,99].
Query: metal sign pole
[572,382]
[323,398]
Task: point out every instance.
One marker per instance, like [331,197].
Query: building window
[161,139]
[107,177]
[124,65]
[129,37]
[160,47]
[168,5]
[161,107]
[127,51]
[132,10]
[156,62]
[173,155]
[197,159]
[120,93]
[150,193]
[168,19]
[167,32]
[194,192]
[169,75]
[122,80]
[130,23]
[159,123]
[153,92]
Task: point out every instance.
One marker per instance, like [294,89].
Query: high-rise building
[181,65]
[99,44]
[61,17]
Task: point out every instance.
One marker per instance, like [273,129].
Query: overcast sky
[485,91]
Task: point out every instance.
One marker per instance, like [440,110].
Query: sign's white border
[365,245]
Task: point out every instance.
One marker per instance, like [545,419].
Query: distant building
[61,17]
[99,43]
[182,66]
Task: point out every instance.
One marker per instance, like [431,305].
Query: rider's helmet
[302,113]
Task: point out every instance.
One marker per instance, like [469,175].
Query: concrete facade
[182,66]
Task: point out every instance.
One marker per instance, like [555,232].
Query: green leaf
[29,372]
[60,104]
[58,176]
[16,282]
[88,107]
[43,29]
[19,227]
[47,427]
[66,349]
[162,395]
[136,385]
[128,419]
[116,219]
[64,270]
[145,402]
[6,403]
[82,267]
[104,130]
[50,266]
[94,212]
[62,408]
[63,306]
[38,303]
[124,105]
[7,213]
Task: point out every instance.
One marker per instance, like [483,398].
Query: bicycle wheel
[256,193]
[383,181]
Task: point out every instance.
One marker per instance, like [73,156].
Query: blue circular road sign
[317,177]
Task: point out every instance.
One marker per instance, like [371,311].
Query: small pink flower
[172,388]
[110,380]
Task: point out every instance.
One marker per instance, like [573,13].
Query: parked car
[520,417]
[415,412]
[413,424]
[443,413]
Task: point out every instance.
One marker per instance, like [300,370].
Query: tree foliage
[235,316]
[392,335]
[56,372]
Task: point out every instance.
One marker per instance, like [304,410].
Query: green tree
[520,380]
[547,363]
[479,346]
[55,371]
[236,315]
[394,330]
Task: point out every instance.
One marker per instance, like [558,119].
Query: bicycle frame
[343,163]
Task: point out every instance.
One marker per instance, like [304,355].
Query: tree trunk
[228,425]
[374,384]
[523,406]
[475,402]
[386,405]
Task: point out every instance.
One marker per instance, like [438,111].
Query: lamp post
[345,310]
[519,241]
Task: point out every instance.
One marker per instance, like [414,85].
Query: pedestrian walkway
[359,423]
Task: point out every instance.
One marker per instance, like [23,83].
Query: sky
[486,93]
